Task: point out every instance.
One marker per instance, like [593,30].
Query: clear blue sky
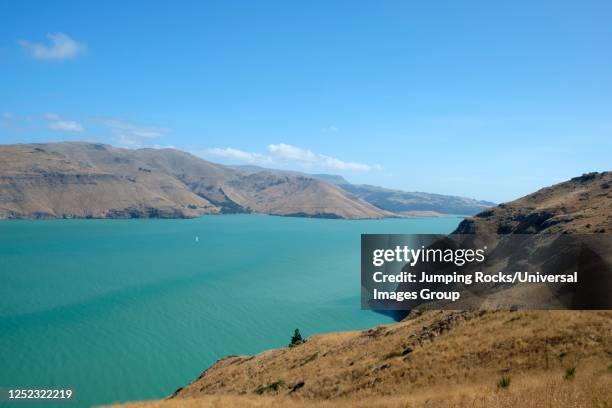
[484,99]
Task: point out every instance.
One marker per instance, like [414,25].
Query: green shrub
[262,389]
[504,382]
[296,339]
[514,319]
[570,373]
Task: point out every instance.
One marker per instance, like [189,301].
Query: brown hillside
[438,359]
[100,181]
[580,205]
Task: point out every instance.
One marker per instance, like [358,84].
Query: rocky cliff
[580,205]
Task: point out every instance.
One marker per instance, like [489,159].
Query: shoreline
[50,218]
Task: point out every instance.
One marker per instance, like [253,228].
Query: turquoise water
[133,309]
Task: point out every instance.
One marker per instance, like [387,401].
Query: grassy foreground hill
[444,358]
[438,359]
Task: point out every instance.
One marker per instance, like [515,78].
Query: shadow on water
[397,315]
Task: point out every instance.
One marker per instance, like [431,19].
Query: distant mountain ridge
[90,180]
[328,178]
[400,202]
[407,203]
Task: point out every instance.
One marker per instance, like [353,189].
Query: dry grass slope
[580,205]
[537,391]
[438,359]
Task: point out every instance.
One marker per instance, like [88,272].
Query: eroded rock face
[580,205]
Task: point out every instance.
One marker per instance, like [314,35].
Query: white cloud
[156,146]
[62,125]
[292,153]
[329,129]
[238,155]
[59,47]
[288,155]
[130,134]
[306,157]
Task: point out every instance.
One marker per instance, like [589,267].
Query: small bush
[296,339]
[570,373]
[514,319]
[610,367]
[504,382]
[262,389]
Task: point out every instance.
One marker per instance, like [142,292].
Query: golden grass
[591,388]
[438,359]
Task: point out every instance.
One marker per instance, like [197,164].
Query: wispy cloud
[16,123]
[59,47]
[133,135]
[62,125]
[238,155]
[329,129]
[283,154]
[306,157]
[6,119]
